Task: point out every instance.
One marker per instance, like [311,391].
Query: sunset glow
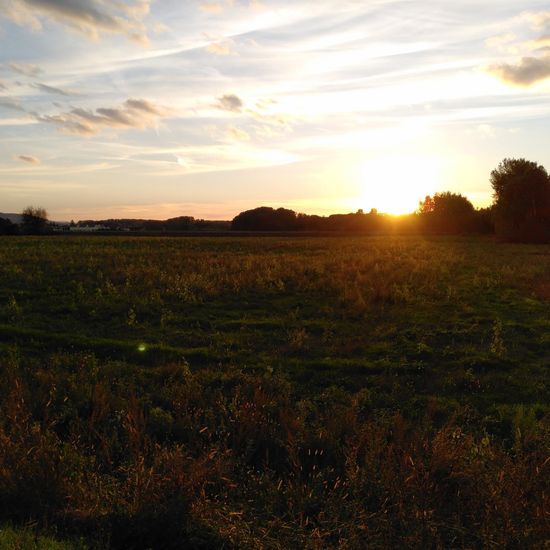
[208,108]
[395,185]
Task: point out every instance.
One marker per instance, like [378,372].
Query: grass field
[276,392]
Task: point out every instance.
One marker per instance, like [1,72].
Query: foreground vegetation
[275,392]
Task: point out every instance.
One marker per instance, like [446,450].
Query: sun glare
[396,184]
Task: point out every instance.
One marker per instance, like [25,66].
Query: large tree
[35,220]
[265,218]
[447,212]
[521,192]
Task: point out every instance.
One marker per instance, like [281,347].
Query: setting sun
[395,184]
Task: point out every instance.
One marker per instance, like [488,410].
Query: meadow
[274,392]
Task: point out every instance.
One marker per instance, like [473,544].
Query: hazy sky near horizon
[159,108]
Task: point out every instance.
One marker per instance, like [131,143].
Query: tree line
[180,223]
[444,213]
[34,221]
[520,212]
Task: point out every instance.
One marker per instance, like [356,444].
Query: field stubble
[276,392]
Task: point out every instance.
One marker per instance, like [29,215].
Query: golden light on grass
[395,184]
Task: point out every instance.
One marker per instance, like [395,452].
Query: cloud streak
[233,133]
[51,89]
[26,69]
[220,48]
[134,113]
[212,7]
[11,104]
[89,17]
[28,159]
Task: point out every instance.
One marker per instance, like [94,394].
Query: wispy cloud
[230,102]
[28,159]
[51,89]
[219,7]
[11,104]
[90,17]
[236,134]
[134,113]
[26,69]
[220,48]
[212,7]
[540,21]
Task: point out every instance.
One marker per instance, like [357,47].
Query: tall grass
[335,393]
[227,459]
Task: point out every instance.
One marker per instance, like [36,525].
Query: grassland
[276,392]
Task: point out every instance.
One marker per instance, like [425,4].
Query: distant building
[88,228]
[60,227]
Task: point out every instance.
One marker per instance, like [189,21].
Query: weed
[498,346]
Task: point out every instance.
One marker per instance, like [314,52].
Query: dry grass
[421,422]
[232,460]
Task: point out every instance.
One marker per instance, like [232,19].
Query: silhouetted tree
[485,222]
[447,213]
[265,218]
[35,220]
[181,223]
[357,222]
[521,200]
[7,227]
[310,222]
[426,206]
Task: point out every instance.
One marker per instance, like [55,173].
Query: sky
[161,108]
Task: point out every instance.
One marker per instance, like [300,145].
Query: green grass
[340,311]
[170,392]
[24,539]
